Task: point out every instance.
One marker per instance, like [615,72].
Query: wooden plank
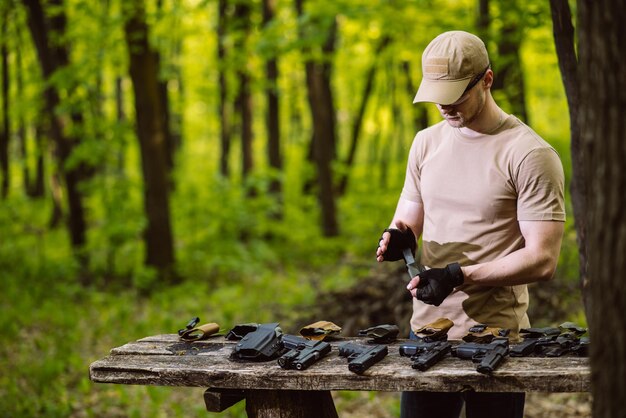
[171,338]
[150,363]
[175,347]
[218,400]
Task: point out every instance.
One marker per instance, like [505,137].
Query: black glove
[436,284]
[398,241]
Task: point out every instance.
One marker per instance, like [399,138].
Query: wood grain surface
[164,360]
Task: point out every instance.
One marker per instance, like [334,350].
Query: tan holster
[200,333]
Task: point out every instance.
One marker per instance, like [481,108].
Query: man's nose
[446,108]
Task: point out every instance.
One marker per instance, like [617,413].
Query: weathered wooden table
[271,391]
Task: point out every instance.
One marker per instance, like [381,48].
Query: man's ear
[488,79]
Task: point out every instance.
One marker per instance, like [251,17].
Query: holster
[200,333]
[572,327]
[319,330]
[435,331]
[241,330]
[483,334]
[539,332]
[260,345]
[381,334]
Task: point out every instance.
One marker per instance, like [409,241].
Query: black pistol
[302,352]
[362,357]
[425,354]
[488,355]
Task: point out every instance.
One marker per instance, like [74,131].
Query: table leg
[218,400]
[290,404]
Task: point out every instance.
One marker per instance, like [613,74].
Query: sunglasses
[476,79]
[470,86]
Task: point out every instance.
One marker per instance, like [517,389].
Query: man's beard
[463,122]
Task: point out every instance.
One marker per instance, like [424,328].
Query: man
[485,193]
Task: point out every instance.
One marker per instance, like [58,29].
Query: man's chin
[455,122]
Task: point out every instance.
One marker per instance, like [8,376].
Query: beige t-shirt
[474,190]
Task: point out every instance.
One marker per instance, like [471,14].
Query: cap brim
[441,91]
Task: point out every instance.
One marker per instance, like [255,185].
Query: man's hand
[394,241]
[434,285]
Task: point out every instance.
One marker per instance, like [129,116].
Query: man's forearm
[535,262]
[520,267]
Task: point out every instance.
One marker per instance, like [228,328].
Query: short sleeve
[412,190]
[540,186]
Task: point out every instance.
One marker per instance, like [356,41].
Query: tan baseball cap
[449,63]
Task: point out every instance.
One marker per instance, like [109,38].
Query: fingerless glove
[399,240]
[436,284]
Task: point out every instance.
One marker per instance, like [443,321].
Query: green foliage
[238,261]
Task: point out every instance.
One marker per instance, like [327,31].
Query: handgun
[362,357]
[302,352]
[425,354]
[488,355]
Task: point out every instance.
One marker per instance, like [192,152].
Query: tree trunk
[53,55]
[324,72]
[483,21]
[56,192]
[323,137]
[120,113]
[420,114]
[273,115]
[6,131]
[244,97]
[358,120]
[170,145]
[563,30]
[36,188]
[508,75]
[224,103]
[152,136]
[323,119]
[244,104]
[602,41]
[33,185]
[21,125]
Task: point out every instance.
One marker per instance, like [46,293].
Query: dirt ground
[538,405]
[558,405]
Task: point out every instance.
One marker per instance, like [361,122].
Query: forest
[237,160]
